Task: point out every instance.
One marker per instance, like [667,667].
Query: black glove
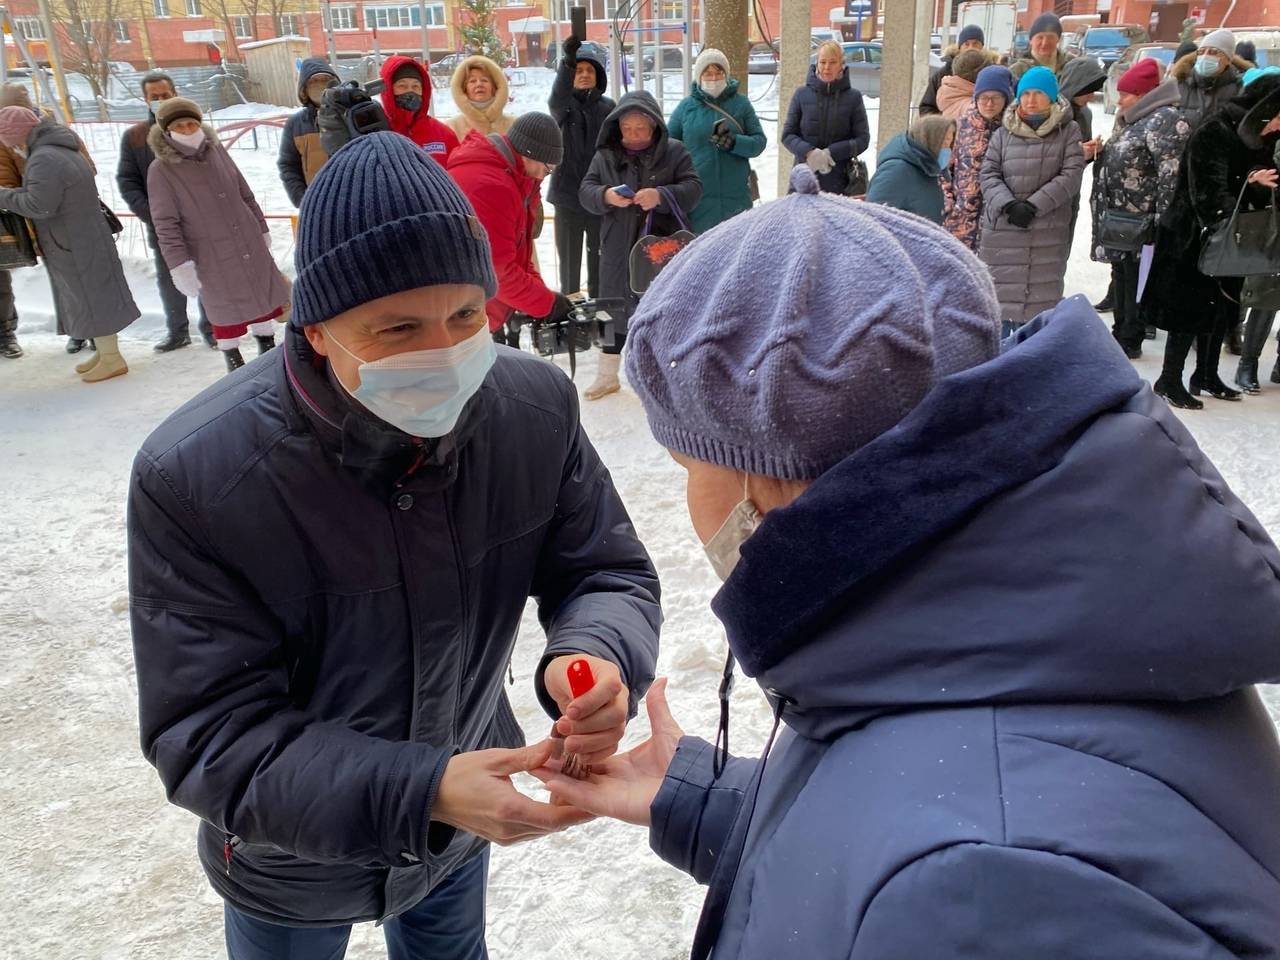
[1021,213]
[571,48]
[560,310]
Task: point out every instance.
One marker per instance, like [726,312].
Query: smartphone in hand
[578,22]
[625,191]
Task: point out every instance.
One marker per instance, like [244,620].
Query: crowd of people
[996,156]
[926,536]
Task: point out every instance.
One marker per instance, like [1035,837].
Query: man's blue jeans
[447,924]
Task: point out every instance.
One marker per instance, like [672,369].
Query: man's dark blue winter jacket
[1019,634]
[323,612]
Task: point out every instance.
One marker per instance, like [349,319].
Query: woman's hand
[648,198]
[1265,177]
[614,199]
[623,787]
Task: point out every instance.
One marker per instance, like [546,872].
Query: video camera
[591,324]
[348,110]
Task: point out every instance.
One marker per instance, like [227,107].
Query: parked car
[597,50]
[762,58]
[445,66]
[1108,44]
[1139,51]
[1021,45]
[672,58]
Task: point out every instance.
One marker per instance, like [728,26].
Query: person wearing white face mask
[720,128]
[329,563]
[212,232]
[929,563]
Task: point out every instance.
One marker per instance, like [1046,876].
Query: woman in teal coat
[719,127]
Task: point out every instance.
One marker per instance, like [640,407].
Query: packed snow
[97,864]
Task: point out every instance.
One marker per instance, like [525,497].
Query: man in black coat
[131,177]
[579,106]
[301,155]
[330,553]
[971,38]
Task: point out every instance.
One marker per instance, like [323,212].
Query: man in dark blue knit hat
[329,556]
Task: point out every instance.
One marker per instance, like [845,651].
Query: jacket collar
[166,152]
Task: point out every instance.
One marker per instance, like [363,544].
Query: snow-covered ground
[96,863]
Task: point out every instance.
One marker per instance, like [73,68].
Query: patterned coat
[1137,170]
[1043,166]
[963,187]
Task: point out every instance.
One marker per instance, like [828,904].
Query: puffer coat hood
[422,128]
[1081,75]
[310,67]
[487,119]
[906,177]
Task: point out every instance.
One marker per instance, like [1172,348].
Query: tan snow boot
[110,363]
[606,381]
[89,364]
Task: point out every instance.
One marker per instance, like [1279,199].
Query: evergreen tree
[479,33]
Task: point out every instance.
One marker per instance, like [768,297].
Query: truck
[997,18]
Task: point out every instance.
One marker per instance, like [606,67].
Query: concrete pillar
[905,69]
[793,68]
[726,31]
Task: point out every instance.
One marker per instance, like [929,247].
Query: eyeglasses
[991,100]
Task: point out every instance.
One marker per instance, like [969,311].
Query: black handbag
[16,246]
[1245,245]
[113,222]
[859,179]
[1125,232]
[652,252]
[1261,292]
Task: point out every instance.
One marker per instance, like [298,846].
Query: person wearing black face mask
[579,105]
[406,98]
[131,177]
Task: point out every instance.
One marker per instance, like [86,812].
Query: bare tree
[90,29]
[278,9]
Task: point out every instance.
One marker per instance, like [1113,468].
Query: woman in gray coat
[212,233]
[59,196]
[1030,177]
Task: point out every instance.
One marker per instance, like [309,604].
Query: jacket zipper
[414,629]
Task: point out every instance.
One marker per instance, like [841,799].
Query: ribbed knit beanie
[177,108]
[705,59]
[16,124]
[1141,78]
[1222,40]
[380,218]
[971,32]
[1045,23]
[994,78]
[750,352]
[537,136]
[407,71]
[1039,78]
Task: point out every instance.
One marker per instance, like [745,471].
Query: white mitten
[820,161]
[185,279]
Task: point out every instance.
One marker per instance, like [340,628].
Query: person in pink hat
[59,196]
[1136,176]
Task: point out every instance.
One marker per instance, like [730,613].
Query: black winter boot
[1169,385]
[9,348]
[1256,330]
[173,341]
[1234,341]
[264,344]
[74,344]
[233,358]
[1275,372]
[1108,302]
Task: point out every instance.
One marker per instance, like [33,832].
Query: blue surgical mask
[944,157]
[1208,66]
[423,392]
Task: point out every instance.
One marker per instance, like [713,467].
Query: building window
[161,7]
[30,27]
[243,27]
[121,28]
[193,8]
[671,10]
[290,25]
[394,17]
[343,18]
[597,9]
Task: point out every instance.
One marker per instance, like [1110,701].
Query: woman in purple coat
[212,233]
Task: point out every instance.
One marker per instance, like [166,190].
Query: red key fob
[581,679]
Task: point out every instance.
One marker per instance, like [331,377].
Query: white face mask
[713,88]
[191,141]
[723,549]
[422,392]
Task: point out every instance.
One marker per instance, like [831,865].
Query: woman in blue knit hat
[931,564]
[1030,179]
[328,565]
[962,184]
